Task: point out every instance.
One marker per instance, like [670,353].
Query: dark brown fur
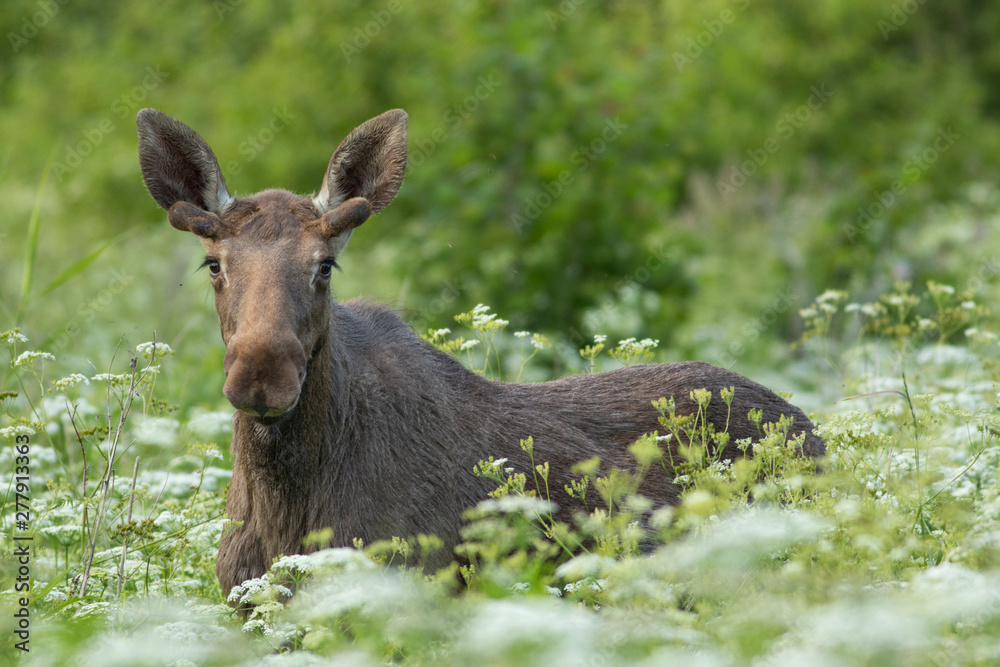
[346,419]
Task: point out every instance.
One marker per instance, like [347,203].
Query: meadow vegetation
[803,193]
[887,552]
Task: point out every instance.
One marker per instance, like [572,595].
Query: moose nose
[264,379]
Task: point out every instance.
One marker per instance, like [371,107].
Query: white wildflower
[159,349]
[69,381]
[16,430]
[831,295]
[530,507]
[469,344]
[522,334]
[113,379]
[869,309]
[13,335]
[206,424]
[30,357]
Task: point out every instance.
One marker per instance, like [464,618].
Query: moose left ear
[368,163]
[337,225]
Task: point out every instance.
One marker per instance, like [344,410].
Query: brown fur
[346,419]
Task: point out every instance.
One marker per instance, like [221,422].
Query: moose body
[348,420]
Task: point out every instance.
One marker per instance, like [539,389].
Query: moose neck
[283,457]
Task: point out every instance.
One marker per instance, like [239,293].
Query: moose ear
[187,217]
[369,163]
[177,164]
[338,225]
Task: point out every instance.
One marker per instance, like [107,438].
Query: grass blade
[31,251]
[75,268]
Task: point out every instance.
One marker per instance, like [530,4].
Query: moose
[345,418]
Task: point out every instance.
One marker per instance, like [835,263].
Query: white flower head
[69,381]
[14,335]
[869,309]
[30,357]
[152,347]
[16,430]
[831,295]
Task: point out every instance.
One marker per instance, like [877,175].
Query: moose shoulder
[345,418]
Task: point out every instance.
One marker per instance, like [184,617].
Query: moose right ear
[177,164]
[187,217]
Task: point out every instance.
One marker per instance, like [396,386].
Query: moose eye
[214,268]
[325,267]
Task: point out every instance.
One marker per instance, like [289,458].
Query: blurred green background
[691,172]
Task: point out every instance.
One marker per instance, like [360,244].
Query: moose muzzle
[264,378]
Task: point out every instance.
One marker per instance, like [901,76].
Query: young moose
[345,418]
